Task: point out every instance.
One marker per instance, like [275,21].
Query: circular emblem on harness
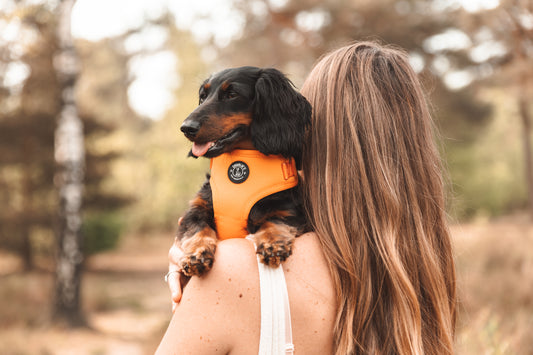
[238,172]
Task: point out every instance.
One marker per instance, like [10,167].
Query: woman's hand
[175,279]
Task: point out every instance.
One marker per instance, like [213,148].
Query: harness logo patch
[238,172]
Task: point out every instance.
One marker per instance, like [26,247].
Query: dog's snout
[190,128]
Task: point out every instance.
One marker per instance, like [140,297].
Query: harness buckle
[289,169]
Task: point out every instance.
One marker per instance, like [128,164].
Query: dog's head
[248,105]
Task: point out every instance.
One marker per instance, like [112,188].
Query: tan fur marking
[281,214]
[218,126]
[206,238]
[229,122]
[198,202]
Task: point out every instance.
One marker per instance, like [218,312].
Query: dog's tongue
[200,149]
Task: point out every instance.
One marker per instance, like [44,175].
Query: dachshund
[258,112]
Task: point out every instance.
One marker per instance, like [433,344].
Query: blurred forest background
[128,77]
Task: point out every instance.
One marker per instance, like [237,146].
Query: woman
[377,275]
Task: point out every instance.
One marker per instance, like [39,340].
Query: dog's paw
[274,243]
[199,252]
[198,263]
[273,253]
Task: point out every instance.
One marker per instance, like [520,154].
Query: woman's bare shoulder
[307,252]
[237,256]
[234,269]
[218,307]
[229,294]
[236,272]
[309,265]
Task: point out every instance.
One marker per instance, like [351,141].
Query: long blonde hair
[374,195]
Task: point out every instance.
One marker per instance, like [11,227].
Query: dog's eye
[229,95]
[203,96]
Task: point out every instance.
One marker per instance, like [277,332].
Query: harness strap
[276,329]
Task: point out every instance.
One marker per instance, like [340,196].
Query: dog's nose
[190,128]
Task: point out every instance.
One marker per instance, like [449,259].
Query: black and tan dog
[251,122]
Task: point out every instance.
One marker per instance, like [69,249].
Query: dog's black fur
[239,107]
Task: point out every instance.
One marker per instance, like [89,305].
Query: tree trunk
[526,127]
[521,40]
[69,155]
[26,251]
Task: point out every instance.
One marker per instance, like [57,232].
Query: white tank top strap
[276,329]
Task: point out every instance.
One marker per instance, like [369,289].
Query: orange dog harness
[239,179]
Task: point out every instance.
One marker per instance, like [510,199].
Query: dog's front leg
[199,252]
[196,235]
[274,242]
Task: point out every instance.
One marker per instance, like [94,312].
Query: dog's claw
[194,264]
[274,254]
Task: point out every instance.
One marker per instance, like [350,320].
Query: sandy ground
[125,299]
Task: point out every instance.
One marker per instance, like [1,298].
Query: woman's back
[221,313]
[311,297]
[374,195]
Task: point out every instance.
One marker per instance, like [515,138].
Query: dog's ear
[280,116]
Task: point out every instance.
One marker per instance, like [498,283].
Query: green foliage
[101,232]
[488,173]
[461,115]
